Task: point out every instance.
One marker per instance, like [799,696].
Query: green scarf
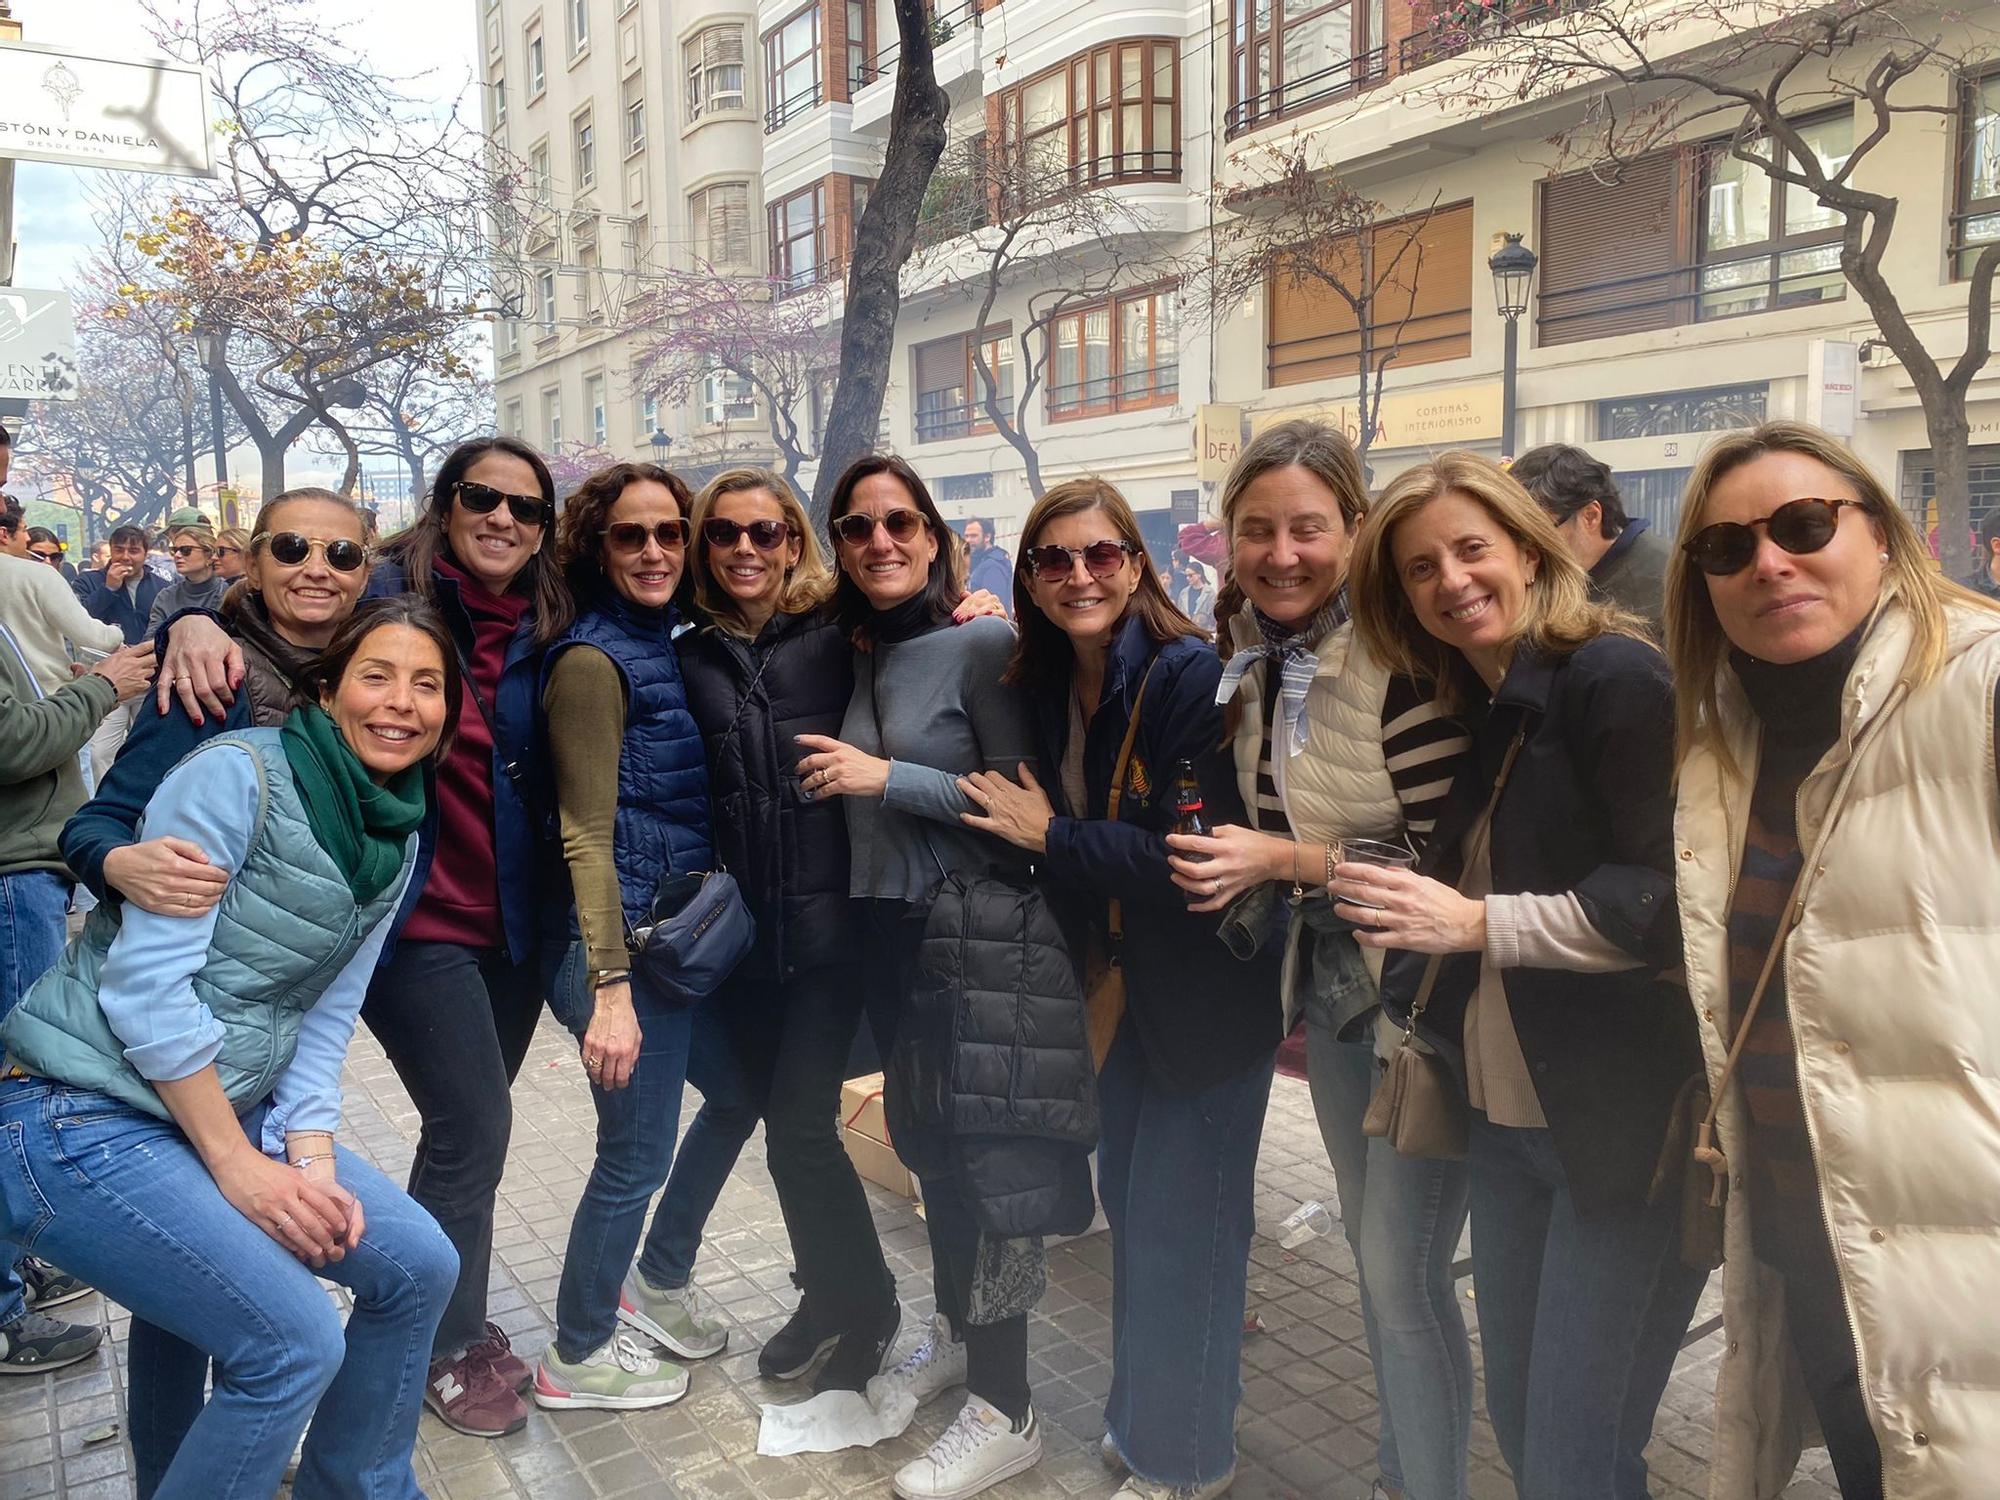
[362,824]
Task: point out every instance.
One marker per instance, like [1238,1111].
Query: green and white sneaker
[620,1375]
[678,1318]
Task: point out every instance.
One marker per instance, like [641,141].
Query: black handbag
[697,933]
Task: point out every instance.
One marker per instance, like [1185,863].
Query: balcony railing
[1472,23]
[937,424]
[1341,80]
[945,24]
[786,110]
[1128,390]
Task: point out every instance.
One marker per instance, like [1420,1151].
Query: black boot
[794,1349]
[861,1352]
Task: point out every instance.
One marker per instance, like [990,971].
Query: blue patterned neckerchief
[1298,650]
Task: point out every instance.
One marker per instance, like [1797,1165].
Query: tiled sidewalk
[1307,1427]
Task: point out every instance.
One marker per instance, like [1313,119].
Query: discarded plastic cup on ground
[1306,1222]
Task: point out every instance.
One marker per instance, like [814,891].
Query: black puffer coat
[787,853]
[991,1081]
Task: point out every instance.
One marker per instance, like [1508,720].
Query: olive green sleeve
[585,700]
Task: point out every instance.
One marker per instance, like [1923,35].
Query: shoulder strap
[507,762]
[749,692]
[1475,849]
[1117,922]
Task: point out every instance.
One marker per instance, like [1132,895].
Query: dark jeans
[456,1023]
[33,906]
[1178,1173]
[839,1258]
[1824,1344]
[1566,1313]
[996,1353]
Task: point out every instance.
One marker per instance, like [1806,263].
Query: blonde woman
[1573,1047]
[1835,701]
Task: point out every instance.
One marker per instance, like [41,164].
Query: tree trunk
[883,240]
[1950,471]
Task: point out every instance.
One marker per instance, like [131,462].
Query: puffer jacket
[1889,976]
[753,699]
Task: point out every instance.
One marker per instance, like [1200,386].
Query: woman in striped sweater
[1330,746]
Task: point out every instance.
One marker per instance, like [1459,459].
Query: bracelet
[1332,859]
[609,976]
[1298,884]
[302,1162]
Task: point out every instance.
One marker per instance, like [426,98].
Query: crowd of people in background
[1633,895]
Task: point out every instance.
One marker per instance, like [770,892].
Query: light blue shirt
[146,987]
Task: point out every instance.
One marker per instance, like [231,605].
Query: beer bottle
[1188,816]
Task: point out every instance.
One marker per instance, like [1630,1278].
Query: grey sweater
[180,595]
[945,713]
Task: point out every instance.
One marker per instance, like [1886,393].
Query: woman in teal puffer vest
[173,1085]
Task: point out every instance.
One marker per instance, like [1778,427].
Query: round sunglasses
[483,499]
[1052,563]
[630,537]
[857,530]
[765,536]
[1798,526]
[291,549]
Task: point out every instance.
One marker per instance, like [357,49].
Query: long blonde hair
[1559,614]
[1696,644]
[808,583]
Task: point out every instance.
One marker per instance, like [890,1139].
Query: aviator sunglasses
[1799,526]
[483,499]
[765,536]
[291,549]
[857,529]
[631,537]
[1052,563]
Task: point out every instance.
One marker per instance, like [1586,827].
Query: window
[545,303]
[499,90]
[860,25]
[541,182]
[638,243]
[632,93]
[1653,496]
[1611,246]
[589,292]
[600,415]
[1115,356]
[1976,219]
[578,14]
[952,488]
[1110,115]
[1766,244]
[726,397]
[515,425]
[552,416]
[538,71]
[791,68]
[649,416]
[1419,312]
[948,377]
[1919,488]
[720,219]
[507,338]
[1293,54]
[1717,409]
[798,239]
[713,61]
[583,135]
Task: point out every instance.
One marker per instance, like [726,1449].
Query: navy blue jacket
[114,607]
[1202,1014]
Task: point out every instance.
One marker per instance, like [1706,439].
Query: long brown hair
[239,588]
[419,546]
[808,583]
[1043,653]
[580,534]
[1559,614]
[374,615]
[946,584]
[1696,645]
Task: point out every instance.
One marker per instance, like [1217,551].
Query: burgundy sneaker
[471,1397]
[498,1352]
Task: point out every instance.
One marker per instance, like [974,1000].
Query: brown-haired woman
[1547,928]
[1186,1081]
[1837,802]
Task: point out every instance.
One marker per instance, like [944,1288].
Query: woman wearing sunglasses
[1836,825]
[1183,1089]
[929,707]
[1531,937]
[231,544]
[200,584]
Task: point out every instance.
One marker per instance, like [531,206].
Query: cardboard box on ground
[865,1133]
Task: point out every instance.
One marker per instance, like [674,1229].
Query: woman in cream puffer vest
[1836,711]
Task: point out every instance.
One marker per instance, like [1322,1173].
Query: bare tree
[415,416]
[1655,72]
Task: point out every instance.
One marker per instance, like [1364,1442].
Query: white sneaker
[619,1375]
[936,1364]
[1135,1488]
[678,1317]
[972,1455]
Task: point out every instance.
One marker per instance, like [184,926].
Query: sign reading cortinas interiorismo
[80,111]
[1409,419]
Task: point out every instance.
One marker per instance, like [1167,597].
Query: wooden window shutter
[1432,283]
[1312,334]
[1610,252]
[722,47]
[940,365]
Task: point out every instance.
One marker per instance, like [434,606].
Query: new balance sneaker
[861,1353]
[935,1365]
[976,1452]
[46,1287]
[1135,1488]
[678,1317]
[795,1348]
[34,1343]
[470,1396]
[620,1374]
[498,1352]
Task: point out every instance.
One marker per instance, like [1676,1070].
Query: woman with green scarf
[173,1087]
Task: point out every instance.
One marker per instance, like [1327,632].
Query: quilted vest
[662,823]
[1890,977]
[286,925]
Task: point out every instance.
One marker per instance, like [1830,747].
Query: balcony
[1467,23]
[1341,81]
[947,25]
[1127,390]
[804,102]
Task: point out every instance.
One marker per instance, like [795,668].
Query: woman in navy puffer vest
[627,825]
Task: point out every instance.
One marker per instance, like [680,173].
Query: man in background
[1627,563]
[992,569]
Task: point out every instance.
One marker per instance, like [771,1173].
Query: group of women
[1468,823]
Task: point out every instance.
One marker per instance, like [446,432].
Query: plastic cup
[1304,1224]
[1375,852]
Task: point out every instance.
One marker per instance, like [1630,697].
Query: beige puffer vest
[1891,976]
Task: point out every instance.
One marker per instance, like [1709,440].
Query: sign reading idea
[80,111]
[37,345]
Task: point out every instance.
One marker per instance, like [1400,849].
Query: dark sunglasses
[765,536]
[1798,526]
[227,551]
[51,556]
[858,530]
[291,549]
[1052,564]
[186,549]
[630,537]
[483,499]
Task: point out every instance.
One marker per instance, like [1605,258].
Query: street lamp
[213,346]
[661,442]
[1513,268]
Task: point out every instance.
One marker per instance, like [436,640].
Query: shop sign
[81,111]
[1218,438]
[37,346]
[1409,419]
[1833,386]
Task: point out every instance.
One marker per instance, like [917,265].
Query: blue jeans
[33,904]
[1177,1174]
[121,1199]
[636,1127]
[1571,1313]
